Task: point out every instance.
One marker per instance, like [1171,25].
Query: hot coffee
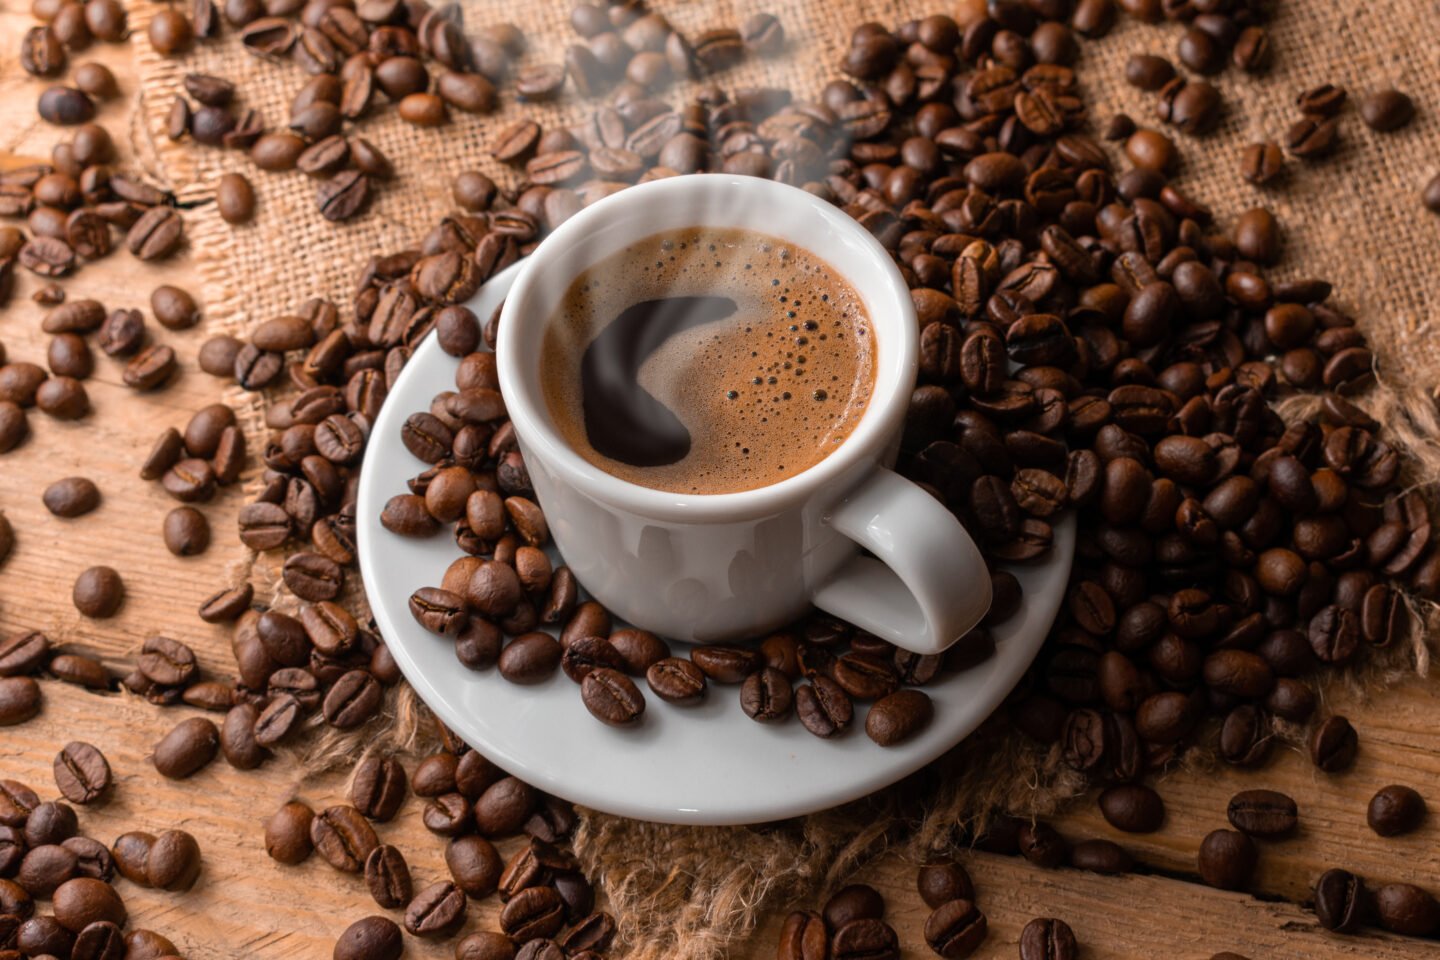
[708,361]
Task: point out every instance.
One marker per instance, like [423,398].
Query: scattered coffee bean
[1395,810]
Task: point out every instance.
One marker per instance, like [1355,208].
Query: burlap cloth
[1355,218]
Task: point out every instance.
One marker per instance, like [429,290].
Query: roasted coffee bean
[1395,810]
[1386,110]
[174,861]
[84,671]
[854,902]
[864,677]
[343,837]
[612,697]
[355,698]
[956,929]
[98,592]
[1341,901]
[287,833]
[378,787]
[1227,859]
[474,865]
[187,748]
[50,823]
[370,938]
[1262,813]
[235,198]
[943,880]
[1406,909]
[1333,745]
[898,716]
[504,807]
[766,696]
[343,195]
[45,868]
[387,876]
[676,681]
[65,106]
[186,532]
[865,938]
[1046,938]
[533,912]
[1262,163]
[436,911]
[71,497]
[1132,807]
[20,700]
[156,235]
[81,773]
[1148,72]
[150,368]
[727,664]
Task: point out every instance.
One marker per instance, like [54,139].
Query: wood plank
[1399,743]
[1116,918]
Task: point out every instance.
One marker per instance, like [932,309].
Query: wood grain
[246,905]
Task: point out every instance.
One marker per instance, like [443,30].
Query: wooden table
[246,905]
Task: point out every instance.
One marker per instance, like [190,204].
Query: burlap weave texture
[1354,218]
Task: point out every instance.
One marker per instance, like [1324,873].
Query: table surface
[245,902]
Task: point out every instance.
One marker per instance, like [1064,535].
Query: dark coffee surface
[708,361]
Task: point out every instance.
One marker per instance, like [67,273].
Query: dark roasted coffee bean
[98,592]
[956,929]
[355,698]
[65,106]
[726,664]
[20,700]
[1262,813]
[474,865]
[71,497]
[1333,745]
[387,876]
[1395,810]
[612,697]
[1386,110]
[370,938]
[766,696]
[287,833]
[1133,807]
[1227,859]
[1341,901]
[45,868]
[81,773]
[343,837]
[823,707]
[187,748]
[865,938]
[378,787]
[898,716]
[1406,909]
[1046,938]
[174,861]
[436,911]
[676,681]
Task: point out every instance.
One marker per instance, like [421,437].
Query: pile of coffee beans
[549,906]
[68,27]
[852,924]
[365,56]
[75,204]
[44,856]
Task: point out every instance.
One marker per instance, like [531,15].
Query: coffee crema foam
[765,391]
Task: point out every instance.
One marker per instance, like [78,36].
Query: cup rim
[884,292]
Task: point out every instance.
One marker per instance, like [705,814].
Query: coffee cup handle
[929,585]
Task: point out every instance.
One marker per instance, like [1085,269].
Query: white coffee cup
[715,567]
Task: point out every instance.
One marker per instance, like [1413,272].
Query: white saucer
[708,764]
